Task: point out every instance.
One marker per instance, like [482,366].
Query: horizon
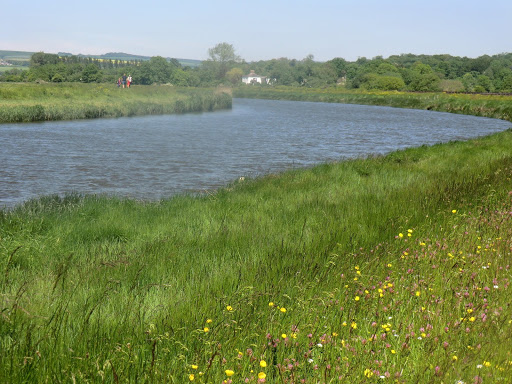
[248,62]
[325,29]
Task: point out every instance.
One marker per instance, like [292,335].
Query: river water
[153,157]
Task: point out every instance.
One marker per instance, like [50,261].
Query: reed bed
[495,106]
[44,102]
[388,269]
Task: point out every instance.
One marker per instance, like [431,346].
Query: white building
[253,78]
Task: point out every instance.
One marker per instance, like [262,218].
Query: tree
[161,70]
[234,75]
[223,56]
[90,74]
[339,66]
[40,58]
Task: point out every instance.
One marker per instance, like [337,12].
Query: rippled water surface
[152,157]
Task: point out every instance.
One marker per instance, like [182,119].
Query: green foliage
[382,82]
[234,75]
[40,58]
[91,74]
[221,59]
[425,73]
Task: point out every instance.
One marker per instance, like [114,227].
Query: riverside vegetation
[67,101]
[393,268]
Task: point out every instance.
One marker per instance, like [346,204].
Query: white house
[253,78]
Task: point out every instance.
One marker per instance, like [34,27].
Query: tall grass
[40,102]
[494,106]
[390,268]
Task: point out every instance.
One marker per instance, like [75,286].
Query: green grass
[69,101]
[395,265]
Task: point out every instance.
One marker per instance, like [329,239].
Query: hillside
[25,56]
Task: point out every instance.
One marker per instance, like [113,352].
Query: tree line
[224,67]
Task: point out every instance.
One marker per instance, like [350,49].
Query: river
[154,157]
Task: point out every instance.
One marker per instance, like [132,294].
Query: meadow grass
[394,268]
[29,102]
[495,106]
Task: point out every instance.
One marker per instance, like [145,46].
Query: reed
[391,268]
[70,101]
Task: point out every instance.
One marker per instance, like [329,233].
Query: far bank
[21,102]
[493,106]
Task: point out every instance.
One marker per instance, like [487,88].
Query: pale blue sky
[259,30]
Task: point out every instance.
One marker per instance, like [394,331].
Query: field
[388,269]
[68,101]
[10,67]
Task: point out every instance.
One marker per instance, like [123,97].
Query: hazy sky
[259,30]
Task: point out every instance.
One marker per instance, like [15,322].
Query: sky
[259,30]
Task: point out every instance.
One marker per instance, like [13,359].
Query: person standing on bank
[124,80]
[129,80]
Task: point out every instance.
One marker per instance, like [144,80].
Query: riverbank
[494,106]
[71,101]
[389,268]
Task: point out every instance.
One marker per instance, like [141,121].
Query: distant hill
[15,55]
[22,55]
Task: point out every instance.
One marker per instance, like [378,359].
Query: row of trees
[224,66]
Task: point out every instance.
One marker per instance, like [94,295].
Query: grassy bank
[499,107]
[69,101]
[393,268]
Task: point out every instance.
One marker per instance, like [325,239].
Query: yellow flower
[344,323]
[284,336]
[229,372]
[229,308]
[271,304]
[454,211]
[334,334]
[353,325]
[393,351]
[455,358]
[194,366]
[368,373]
[261,375]
[470,310]
[206,329]
[283,309]
[418,293]
[487,364]
[191,377]
[356,298]
[209,321]
[400,235]
[263,363]
[293,335]
[409,230]
[390,265]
